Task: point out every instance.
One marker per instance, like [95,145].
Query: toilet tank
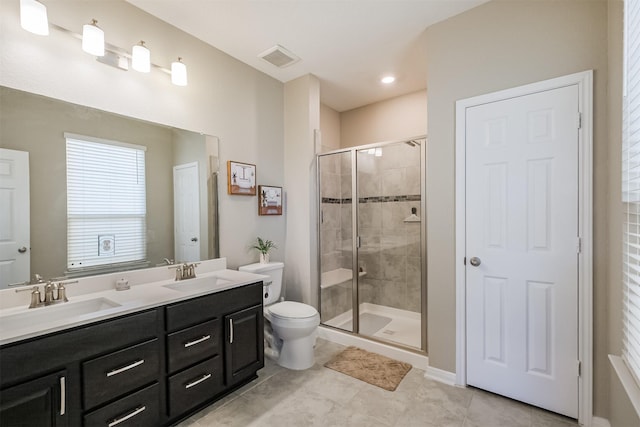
[272,286]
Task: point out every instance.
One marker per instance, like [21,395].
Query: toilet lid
[292,310]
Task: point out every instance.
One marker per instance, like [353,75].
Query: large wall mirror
[180,179]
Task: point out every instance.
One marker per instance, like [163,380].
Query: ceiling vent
[279,56]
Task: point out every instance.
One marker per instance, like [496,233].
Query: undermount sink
[198,284]
[53,313]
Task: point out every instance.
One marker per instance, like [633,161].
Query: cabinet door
[244,345]
[40,402]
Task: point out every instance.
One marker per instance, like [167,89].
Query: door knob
[194,239]
[475,261]
[22,250]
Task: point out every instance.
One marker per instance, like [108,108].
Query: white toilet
[290,327]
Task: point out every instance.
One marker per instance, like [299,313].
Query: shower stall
[372,242]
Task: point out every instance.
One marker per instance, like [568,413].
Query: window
[106,203]
[631,188]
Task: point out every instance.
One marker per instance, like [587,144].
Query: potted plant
[264,246]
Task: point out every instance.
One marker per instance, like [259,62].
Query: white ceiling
[348,44]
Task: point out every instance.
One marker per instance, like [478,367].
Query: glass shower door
[389,252]
[336,240]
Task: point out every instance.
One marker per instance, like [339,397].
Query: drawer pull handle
[198,381]
[230,331]
[198,341]
[63,395]
[125,368]
[124,418]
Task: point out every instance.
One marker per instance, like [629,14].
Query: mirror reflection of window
[106,203]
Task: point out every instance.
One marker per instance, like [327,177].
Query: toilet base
[297,354]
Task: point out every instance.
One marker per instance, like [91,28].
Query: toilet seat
[291,310]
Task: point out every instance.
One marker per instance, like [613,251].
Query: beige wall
[390,120]
[329,128]
[499,45]
[301,118]
[37,124]
[225,97]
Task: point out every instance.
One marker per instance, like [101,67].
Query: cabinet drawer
[141,408]
[193,344]
[82,343]
[201,309]
[195,385]
[117,373]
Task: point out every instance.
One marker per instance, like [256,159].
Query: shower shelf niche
[337,277]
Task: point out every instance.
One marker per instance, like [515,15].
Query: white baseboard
[600,422]
[436,374]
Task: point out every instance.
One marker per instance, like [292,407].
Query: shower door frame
[355,301]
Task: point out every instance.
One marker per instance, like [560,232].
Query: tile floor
[322,397]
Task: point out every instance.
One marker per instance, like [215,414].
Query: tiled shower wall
[388,188]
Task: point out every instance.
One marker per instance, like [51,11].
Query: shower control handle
[475,261]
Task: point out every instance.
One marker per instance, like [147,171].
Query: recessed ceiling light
[388,80]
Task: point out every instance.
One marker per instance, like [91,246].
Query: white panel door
[186,205]
[522,229]
[15,243]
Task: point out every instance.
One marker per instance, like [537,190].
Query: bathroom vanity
[152,362]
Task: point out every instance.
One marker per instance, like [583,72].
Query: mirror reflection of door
[15,244]
[186,197]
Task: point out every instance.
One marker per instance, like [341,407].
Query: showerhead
[412,143]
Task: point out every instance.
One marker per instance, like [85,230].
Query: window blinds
[106,203]
[631,188]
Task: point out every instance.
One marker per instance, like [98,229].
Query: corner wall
[301,118]
[389,120]
[498,45]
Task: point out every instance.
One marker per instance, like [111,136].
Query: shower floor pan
[387,323]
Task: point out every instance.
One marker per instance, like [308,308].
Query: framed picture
[241,178]
[269,200]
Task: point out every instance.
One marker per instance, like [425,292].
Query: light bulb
[141,58]
[178,73]
[33,17]
[93,39]
[388,80]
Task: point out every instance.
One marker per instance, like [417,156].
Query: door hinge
[579,363]
[579,120]
[358,242]
[579,245]
[464,261]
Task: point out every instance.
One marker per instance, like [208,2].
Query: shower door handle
[475,261]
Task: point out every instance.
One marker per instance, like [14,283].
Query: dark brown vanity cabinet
[243,357]
[39,402]
[201,351]
[43,378]
[150,368]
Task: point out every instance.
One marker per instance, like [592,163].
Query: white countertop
[18,322]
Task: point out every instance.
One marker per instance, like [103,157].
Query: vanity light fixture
[178,73]
[141,58]
[388,80]
[93,39]
[33,17]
